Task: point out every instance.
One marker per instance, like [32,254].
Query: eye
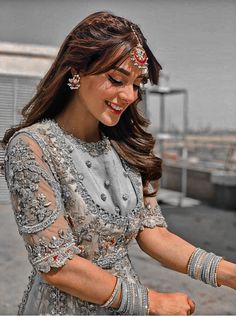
[136,87]
[114,81]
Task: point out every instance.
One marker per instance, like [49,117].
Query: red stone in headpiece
[139,57]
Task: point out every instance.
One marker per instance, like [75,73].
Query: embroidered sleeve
[152,217]
[37,205]
[152,214]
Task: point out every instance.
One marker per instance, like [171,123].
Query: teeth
[115,107]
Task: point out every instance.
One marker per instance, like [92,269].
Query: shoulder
[28,144]
[37,135]
[28,149]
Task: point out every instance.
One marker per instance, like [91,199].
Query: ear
[73,71]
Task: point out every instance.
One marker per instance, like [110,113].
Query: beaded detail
[53,252]
[153,217]
[94,149]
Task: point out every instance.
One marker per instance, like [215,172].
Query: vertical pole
[162,129]
[15,88]
[162,123]
[162,113]
[184,150]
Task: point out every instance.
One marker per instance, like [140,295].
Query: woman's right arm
[39,212]
[81,278]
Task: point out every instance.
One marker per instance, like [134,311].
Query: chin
[110,122]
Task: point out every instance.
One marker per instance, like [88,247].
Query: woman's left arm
[174,253]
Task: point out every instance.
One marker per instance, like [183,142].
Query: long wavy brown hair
[91,48]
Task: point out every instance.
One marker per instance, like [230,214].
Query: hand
[226,274]
[170,304]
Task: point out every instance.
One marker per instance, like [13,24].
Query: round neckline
[93,148]
[77,139]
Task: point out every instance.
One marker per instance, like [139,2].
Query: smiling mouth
[114,108]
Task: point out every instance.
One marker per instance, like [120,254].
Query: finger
[191,305]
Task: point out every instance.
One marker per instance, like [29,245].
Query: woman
[79,169]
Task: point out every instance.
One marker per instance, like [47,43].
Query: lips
[114,107]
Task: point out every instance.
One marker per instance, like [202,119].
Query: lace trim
[46,254]
[153,217]
[94,149]
[21,307]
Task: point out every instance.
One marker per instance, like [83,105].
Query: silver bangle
[114,294]
[134,299]
[213,276]
[206,267]
[124,292]
[203,266]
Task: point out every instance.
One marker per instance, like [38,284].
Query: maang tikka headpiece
[138,54]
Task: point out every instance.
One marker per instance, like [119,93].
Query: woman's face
[106,96]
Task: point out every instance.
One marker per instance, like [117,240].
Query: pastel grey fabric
[72,198]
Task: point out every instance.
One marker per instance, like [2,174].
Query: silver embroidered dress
[73,198]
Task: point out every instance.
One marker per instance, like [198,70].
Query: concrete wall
[200,186]
[195,41]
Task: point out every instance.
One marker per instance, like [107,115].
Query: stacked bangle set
[134,298]
[203,266]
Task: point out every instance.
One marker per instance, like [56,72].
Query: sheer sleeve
[37,205]
[152,213]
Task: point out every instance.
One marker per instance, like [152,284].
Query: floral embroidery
[153,217]
[54,252]
[33,212]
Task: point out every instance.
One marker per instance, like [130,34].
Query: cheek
[94,90]
[106,91]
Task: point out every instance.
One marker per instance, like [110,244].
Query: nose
[128,94]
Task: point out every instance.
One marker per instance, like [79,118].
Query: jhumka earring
[138,55]
[74,82]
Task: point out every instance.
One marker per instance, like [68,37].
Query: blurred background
[192,114]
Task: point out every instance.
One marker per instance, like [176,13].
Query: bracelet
[203,266]
[148,301]
[114,294]
[214,276]
[134,299]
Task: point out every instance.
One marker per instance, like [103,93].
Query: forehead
[129,66]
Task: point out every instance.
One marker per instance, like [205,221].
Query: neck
[76,121]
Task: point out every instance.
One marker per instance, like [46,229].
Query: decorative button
[125,197]
[103,197]
[117,209]
[107,183]
[88,163]
[81,177]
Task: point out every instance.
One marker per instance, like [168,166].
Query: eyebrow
[127,73]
